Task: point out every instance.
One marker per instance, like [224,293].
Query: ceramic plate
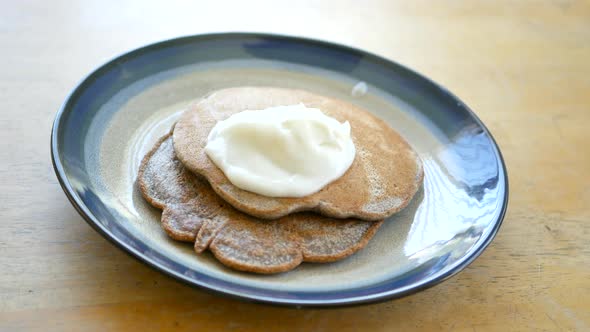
[116,114]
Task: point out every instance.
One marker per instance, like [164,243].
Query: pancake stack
[250,232]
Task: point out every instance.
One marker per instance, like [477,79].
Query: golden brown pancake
[192,212]
[383,178]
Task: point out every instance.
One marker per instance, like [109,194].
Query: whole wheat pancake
[383,178]
[192,212]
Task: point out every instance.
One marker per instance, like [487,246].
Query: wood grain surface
[523,66]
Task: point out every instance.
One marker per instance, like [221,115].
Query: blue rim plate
[465,190]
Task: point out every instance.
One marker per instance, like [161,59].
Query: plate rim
[90,219]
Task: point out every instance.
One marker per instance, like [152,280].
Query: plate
[114,116]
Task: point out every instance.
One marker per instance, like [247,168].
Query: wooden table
[523,66]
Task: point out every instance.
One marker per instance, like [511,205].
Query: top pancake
[383,178]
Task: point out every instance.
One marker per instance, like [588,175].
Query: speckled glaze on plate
[116,114]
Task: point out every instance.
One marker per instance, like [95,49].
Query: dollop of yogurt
[282,151]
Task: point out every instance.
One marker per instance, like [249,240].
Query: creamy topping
[282,151]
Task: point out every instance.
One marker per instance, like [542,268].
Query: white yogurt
[282,151]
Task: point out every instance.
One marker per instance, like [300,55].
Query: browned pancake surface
[383,178]
[192,212]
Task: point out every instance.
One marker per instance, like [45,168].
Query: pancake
[193,212]
[383,178]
